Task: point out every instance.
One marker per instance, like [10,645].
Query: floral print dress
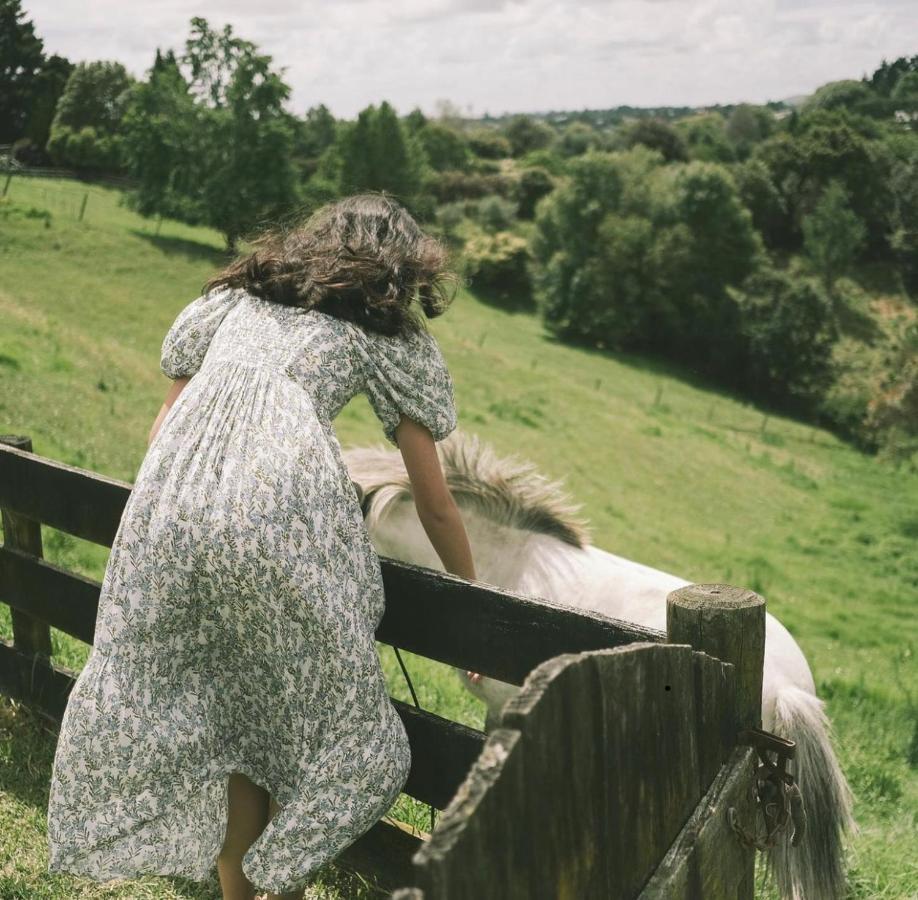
[236,621]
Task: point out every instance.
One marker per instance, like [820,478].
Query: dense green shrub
[788,330]
[496,265]
[495,214]
[526,133]
[631,253]
[577,138]
[489,143]
[766,203]
[657,135]
[85,132]
[892,413]
[832,234]
[532,186]
[705,136]
[449,187]
[449,217]
[445,147]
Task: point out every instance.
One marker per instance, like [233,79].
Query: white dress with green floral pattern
[236,620]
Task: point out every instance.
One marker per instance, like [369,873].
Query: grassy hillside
[670,472]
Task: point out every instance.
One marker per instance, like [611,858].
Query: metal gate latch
[777,793]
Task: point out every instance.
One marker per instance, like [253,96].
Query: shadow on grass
[695,378]
[193,250]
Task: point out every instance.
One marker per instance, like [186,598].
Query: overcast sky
[501,56]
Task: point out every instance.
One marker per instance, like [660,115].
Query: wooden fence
[609,775]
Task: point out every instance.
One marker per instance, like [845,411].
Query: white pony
[526,536]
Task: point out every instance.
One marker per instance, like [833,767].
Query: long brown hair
[362,258]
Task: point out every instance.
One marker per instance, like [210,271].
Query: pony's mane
[505,489]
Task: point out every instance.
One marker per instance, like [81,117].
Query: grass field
[670,472]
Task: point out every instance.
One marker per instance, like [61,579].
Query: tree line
[726,239]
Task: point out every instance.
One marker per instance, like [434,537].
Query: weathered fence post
[30,635]
[729,623]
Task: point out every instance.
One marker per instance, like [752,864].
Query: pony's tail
[815,869]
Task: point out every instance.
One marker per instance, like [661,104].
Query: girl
[233,709]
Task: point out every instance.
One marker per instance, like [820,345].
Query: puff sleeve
[407,373]
[188,338]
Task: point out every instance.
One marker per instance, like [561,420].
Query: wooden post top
[727,622]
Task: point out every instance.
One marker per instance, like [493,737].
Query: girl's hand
[474,677]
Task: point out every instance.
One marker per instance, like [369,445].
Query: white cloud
[512,55]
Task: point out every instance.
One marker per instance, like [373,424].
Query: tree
[844,94]
[629,253]
[487,143]
[319,130]
[721,248]
[314,134]
[21,61]
[534,183]
[86,131]
[905,93]
[50,82]
[165,145]
[788,332]
[378,153]
[525,133]
[445,148]
[250,135]
[415,120]
[763,199]
[833,234]
[577,138]
[885,78]
[219,140]
[705,135]
[747,126]
[831,145]
[657,135]
[904,213]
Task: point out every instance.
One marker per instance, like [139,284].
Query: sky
[507,56]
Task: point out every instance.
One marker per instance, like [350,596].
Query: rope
[414,697]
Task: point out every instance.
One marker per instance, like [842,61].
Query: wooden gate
[609,775]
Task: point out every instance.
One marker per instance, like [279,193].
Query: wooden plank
[33,680]
[499,633]
[442,752]
[651,758]
[382,855]
[63,599]
[715,714]
[470,852]
[30,633]
[707,860]
[584,786]
[74,500]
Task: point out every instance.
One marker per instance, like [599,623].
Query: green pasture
[670,472]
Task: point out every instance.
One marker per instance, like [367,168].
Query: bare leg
[246,820]
[273,808]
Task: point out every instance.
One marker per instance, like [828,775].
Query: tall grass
[671,472]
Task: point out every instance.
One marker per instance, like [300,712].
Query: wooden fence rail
[499,633]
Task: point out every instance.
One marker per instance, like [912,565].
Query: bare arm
[175,389]
[436,507]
